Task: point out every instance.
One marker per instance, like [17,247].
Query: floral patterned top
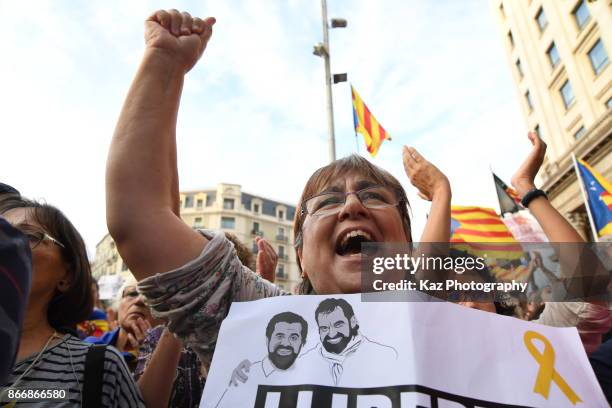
[196,297]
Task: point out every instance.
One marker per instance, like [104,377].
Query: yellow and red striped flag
[481,231]
[366,124]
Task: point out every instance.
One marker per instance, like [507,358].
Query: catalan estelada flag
[480,231]
[599,197]
[366,124]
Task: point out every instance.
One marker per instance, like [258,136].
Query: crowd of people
[167,320]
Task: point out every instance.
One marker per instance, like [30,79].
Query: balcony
[282,276]
[283,257]
[282,238]
[257,233]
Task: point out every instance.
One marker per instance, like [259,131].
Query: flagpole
[585,198]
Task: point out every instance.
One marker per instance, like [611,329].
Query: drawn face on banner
[335,330]
[285,344]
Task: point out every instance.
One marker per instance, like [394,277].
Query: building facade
[107,260]
[559,54]
[227,208]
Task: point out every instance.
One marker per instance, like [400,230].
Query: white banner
[337,351]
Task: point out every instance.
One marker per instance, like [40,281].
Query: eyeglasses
[329,203]
[130,293]
[35,237]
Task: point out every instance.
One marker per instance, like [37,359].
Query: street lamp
[322,50]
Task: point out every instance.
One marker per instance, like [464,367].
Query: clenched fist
[181,36]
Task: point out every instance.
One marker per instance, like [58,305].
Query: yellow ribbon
[547,373]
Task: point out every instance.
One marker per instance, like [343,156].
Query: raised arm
[141,174]
[433,186]
[556,228]
[581,272]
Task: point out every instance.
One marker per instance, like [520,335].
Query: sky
[434,74]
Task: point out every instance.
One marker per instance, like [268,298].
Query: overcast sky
[434,74]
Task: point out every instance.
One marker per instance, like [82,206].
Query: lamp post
[322,50]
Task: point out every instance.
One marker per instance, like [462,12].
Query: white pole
[328,84]
[585,197]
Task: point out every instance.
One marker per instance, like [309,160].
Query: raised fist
[181,36]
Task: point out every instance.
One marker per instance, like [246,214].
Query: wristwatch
[531,195]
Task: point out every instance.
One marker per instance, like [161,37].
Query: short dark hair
[68,308]
[329,305]
[287,317]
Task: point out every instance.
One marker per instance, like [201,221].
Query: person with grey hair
[134,319]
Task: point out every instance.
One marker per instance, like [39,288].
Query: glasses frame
[304,211]
[45,237]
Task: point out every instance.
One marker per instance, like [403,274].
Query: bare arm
[141,175]
[556,228]
[578,264]
[157,380]
[433,186]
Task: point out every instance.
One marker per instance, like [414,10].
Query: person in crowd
[134,319]
[265,262]
[15,280]
[592,319]
[97,323]
[191,277]
[59,298]
[161,352]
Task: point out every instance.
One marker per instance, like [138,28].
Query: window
[255,227]
[579,132]
[228,203]
[541,19]
[281,214]
[200,203]
[553,54]
[567,94]
[598,57]
[537,130]
[256,208]
[281,231]
[228,222]
[609,103]
[528,99]
[581,14]
[511,39]
[280,271]
[281,251]
[197,222]
[189,201]
[210,199]
[519,67]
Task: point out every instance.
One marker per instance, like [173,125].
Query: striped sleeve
[118,386]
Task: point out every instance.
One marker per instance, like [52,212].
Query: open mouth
[283,351]
[349,244]
[335,340]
